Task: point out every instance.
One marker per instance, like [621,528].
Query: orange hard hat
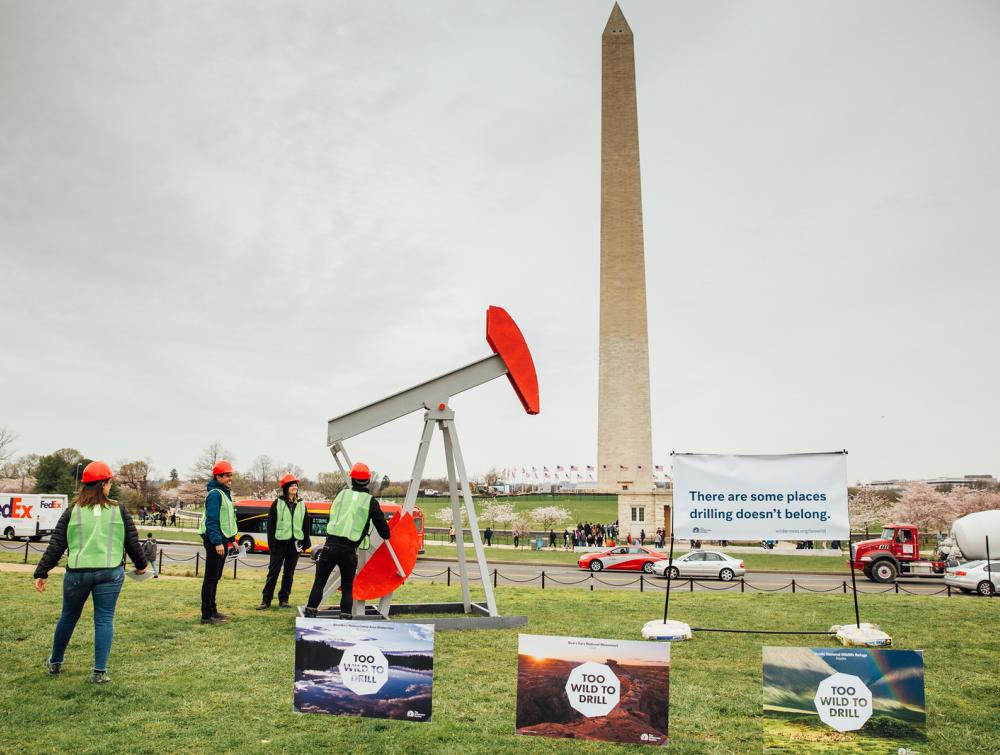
[97,471]
[222,467]
[288,479]
[360,471]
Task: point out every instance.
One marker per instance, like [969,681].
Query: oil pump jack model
[385,565]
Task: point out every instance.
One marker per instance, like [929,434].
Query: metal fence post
[543,579]
[235,561]
[690,584]
[845,587]
[494,577]
[25,551]
[949,590]
[197,558]
[743,584]
[449,576]
[793,585]
[896,585]
[161,560]
[640,582]
[592,581]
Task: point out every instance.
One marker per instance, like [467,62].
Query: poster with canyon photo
[584,688]
[377,669]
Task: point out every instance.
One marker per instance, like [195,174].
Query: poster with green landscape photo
[863,701]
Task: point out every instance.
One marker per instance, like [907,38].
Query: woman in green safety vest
[97,532]
[218,534]
[350,514]
[288,528]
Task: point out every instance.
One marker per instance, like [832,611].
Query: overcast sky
[234,220]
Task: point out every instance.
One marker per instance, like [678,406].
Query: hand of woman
[40,584]
[220,550]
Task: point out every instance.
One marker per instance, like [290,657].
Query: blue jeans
[105,585]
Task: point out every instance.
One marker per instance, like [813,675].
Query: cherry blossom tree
[866,508]
[923,505]
[548,517]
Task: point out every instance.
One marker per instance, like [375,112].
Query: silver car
[975,576]
[702,564]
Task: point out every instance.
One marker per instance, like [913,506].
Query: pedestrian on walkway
[97,532]
[218,533]
[351,514]
[288,528]
[451,534]
[488,535]
[149,551]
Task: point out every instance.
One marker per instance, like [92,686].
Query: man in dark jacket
[288,528]
[218,533]
[351,513]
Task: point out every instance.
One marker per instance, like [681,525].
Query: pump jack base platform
[479,618]
[864,636]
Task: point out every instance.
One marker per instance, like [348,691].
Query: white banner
[794,497]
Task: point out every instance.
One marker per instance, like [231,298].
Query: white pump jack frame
[458,482]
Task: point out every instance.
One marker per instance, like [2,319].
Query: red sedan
[622,558]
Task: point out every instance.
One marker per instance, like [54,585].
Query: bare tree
[7,438]
[26,466]
[330,483]
[202,468]
[134,475]
[262,475]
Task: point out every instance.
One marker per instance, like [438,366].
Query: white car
[702,564]
[975,576]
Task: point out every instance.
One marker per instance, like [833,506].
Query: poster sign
[377,669]
[843,700]
[794,497]
[580,688]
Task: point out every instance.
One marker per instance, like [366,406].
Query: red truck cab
[895,553]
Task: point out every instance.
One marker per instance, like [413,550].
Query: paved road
[557,576]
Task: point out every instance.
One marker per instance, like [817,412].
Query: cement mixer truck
[896,552]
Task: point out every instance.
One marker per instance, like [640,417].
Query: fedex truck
[30,515]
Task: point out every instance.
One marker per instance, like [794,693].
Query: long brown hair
[93,495]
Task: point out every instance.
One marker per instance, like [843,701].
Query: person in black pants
[351,514]
[218,533]
[287,530]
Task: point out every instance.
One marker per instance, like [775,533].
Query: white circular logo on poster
[363,669]
[592,689]
[843,702]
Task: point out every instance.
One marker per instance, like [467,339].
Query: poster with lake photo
[844,700]
[377,669]
[584,688]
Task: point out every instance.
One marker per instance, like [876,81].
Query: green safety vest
[95,537]
[227,516]
[289,522]
[349,515]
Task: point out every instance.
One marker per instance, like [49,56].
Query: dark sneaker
[220,616]
[346,617]
[284,604]
[263,606]
[213,620]
[310,612]
[53,668]
[100,677]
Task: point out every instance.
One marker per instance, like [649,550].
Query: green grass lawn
[179,687]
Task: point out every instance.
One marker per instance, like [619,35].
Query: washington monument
[624,444]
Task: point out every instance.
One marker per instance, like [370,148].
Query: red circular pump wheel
[379,576]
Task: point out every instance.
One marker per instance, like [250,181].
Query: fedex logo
[16,510]
[51,504]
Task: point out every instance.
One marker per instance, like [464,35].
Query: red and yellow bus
[251,521]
